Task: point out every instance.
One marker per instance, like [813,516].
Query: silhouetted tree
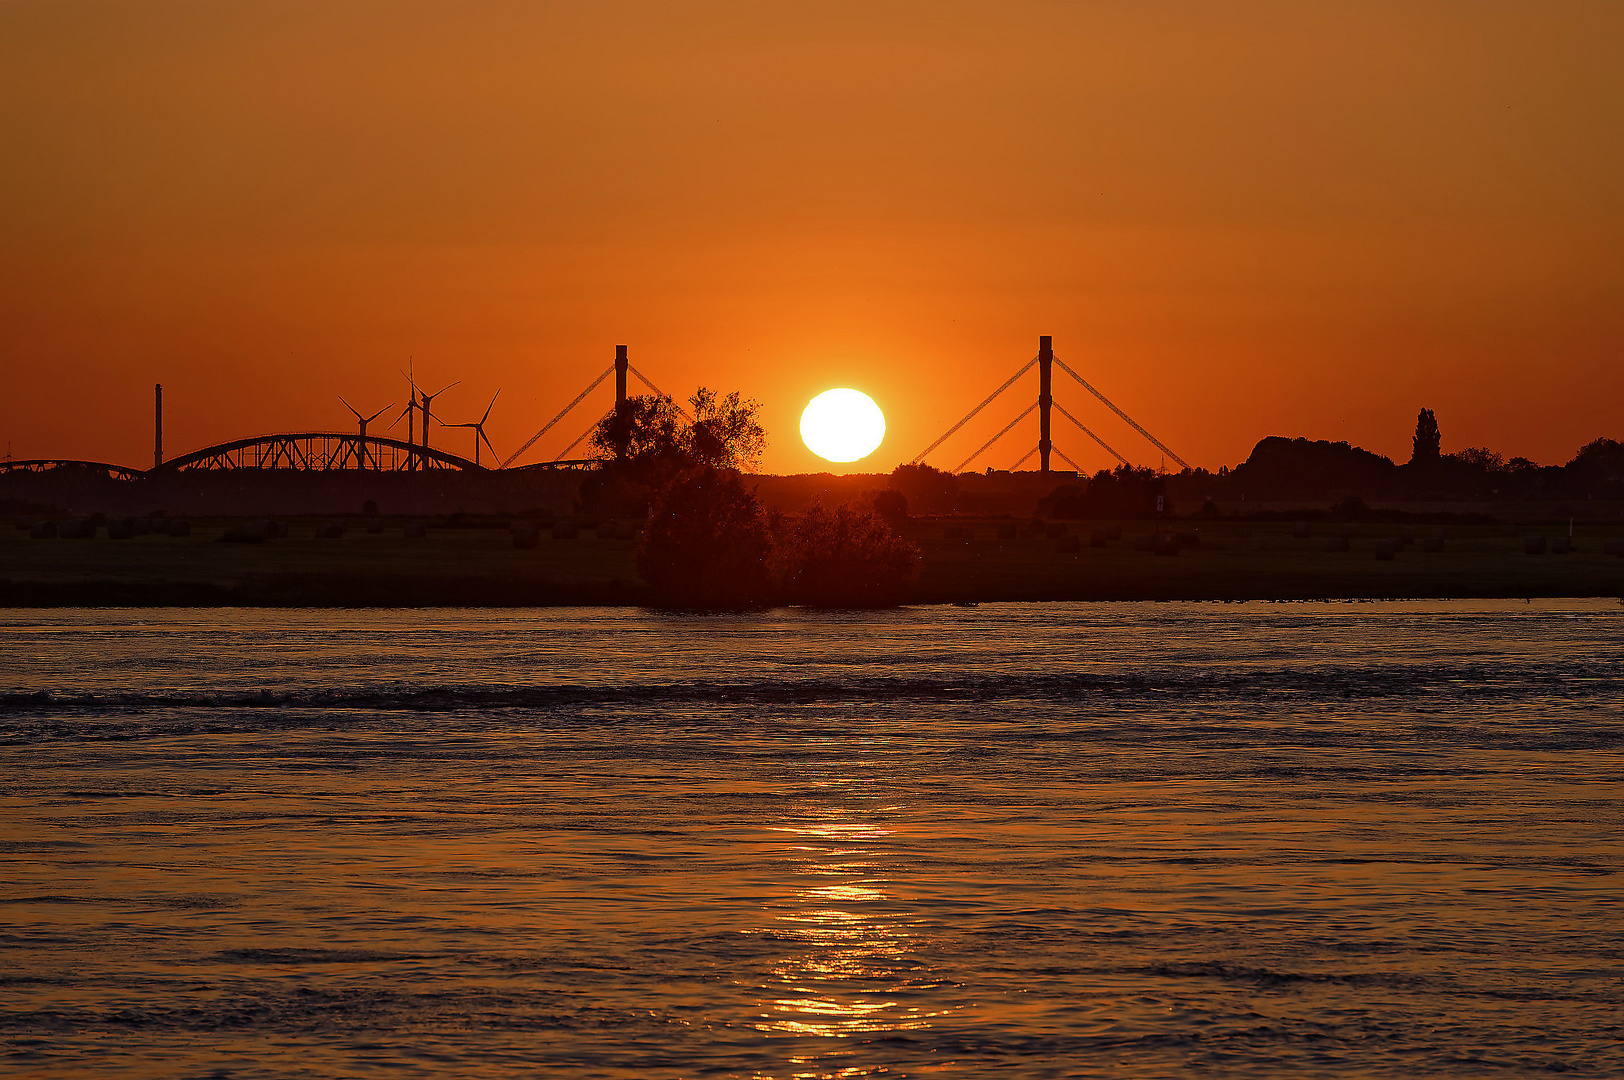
[931,489]
[725,433]
[1601,458]
[647,442]
[1480,457]
[706,544]
[1279,467]
[1125,492]
[1428,442]
[891,505]
[1598,469]
[845,558]
[642,438]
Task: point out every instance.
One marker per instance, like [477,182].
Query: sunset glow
[1237,220]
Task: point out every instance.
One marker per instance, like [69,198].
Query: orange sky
[1237,219]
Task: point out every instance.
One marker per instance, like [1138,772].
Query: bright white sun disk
[842,425]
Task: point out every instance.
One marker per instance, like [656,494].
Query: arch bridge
[88,468]
[319,451]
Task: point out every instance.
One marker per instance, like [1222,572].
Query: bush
[891,505]
[846,558]
[706,544]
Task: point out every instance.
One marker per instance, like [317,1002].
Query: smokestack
[621,364]
[1045,399]
[157,424]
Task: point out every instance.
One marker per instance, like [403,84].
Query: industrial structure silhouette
[327,451]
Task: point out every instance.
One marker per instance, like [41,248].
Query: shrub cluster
[708,545]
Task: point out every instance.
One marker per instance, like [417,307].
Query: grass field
[481,566]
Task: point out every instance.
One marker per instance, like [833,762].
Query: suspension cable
[1024,414]
[972,412]
[548,426]
[1090,434]
[1131,421]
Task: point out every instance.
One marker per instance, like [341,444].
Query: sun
[842,425]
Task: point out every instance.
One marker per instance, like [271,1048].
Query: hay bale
[1056,529]
[1406,534]
[1561,545]
[414,530]
[953,532]
[1338,543]
[1007,530]
[80,529]
[1433,544]
[122,529]
[178,527]
[1386,550]
[1348,532]
[1534,544]
[375,525]
[42,530]
[609,530]
[1069,545]
[565,530]
[330,531]
[1099,537]
[1613,547]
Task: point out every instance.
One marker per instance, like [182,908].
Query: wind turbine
[423,404]
[410,411]
[361,442]
[479,429]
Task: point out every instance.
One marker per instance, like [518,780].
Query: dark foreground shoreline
[963,562]
[462,593]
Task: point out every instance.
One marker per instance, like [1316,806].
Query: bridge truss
[319,451]
[45,465]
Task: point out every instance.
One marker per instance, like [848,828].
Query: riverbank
[476,563]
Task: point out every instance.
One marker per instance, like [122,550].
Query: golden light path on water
[851,941]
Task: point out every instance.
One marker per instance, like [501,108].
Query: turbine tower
[409,413]
[479,429]
[361,441]
[424,401]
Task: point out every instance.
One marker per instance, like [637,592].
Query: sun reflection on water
[851,966]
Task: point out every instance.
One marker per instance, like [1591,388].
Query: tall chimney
[1045,399]
[157,424]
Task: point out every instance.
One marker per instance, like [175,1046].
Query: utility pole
[157,424]
[1045,398]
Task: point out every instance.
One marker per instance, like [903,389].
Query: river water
[1138,840]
